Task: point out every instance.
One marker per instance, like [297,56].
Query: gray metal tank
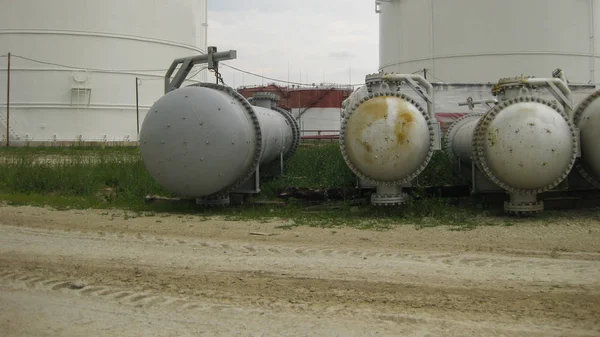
[525,144]
[386,137]
[206,141]
[587,119]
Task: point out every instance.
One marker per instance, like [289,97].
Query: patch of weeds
[116,178]
[440,172]
[59,203]
[374,224]
[467,227]
[439,212]
[312,166]
[287,226]
[100,177]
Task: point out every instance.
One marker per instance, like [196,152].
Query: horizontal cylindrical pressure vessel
[386,137]
[524,144]
[587,119]
[463,136]
[207,139]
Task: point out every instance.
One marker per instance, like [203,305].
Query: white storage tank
[464,46]
[74,64]
[474,41]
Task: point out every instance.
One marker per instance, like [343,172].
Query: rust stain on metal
[368,113]
[375,108]
[374,112]
[401,129]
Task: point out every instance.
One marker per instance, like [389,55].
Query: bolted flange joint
[482,128]
[373,180]
[257,141]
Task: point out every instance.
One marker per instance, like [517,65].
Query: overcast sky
[321,39]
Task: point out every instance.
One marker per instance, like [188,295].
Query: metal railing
[319,135]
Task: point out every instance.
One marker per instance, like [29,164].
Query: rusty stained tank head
[387,138]
[525,145]
[587,119]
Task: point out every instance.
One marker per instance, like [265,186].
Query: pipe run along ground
[207,139]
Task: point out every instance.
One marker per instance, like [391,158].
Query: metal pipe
[432,38]
[321,137]
[485,101]
[185,65]
[8,102]
[137,107]
[205,24]
[592,44]
[462,140]
[422,82]
[562,86]
[277,134]
[559,73]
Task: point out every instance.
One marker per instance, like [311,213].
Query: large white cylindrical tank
[475,41]
[75,63]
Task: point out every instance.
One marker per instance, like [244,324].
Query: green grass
[81,171]
[328,215]
[313,166]
[440,172]
[69,150]
[322,166]
[99,176]
[84,177]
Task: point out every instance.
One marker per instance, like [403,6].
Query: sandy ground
[105,273]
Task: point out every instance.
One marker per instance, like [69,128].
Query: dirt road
[108,273]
